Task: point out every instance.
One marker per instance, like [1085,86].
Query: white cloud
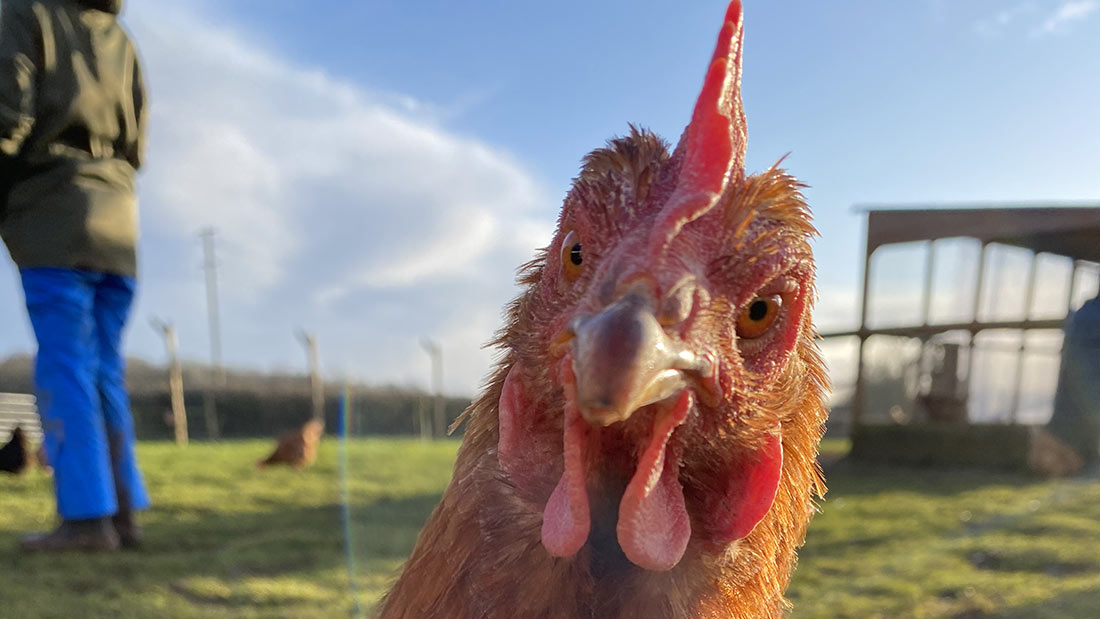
[350,212]
[1067,13]
[1029,12]
[994,24]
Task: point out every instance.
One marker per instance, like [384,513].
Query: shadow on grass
[1033,560]
[852,478]
[292,539]
[204,544]
[387,528]
[1075,605]
[206,560]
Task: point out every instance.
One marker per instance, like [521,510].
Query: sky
[376,171]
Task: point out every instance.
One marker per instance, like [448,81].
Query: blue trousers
[78,317]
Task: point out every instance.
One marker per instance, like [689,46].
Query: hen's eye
[571,257]
[758,316]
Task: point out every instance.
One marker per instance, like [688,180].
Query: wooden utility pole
[439,427]
[316,385]
[175,378]
[423,422]
[216,376]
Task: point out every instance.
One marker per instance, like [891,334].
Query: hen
[646,446]
[15,454]
[298,448]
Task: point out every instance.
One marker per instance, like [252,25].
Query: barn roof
[1072,231]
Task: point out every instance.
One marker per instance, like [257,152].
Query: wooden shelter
[1069,231]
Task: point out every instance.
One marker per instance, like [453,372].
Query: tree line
[254,404]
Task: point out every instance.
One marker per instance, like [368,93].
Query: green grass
[228,540]
[909,543]
[225,539]
[835,447]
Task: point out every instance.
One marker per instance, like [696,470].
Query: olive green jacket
[71,135]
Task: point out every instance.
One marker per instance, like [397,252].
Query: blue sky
[376,170]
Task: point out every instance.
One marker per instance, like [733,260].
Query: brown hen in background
[298,448]
[646,446]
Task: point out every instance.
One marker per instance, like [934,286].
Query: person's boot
[129,531]
[91,535]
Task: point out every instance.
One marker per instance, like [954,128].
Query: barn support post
[974,307]
[929,272]
[1029,301]
[1072,287]
[926,298]
[858,395]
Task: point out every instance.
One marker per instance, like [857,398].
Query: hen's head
[661,385]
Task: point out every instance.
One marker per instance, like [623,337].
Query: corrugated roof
[1072,231]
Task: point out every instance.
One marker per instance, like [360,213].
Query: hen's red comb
[713,144]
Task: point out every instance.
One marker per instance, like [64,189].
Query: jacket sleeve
[19,49]
[136,150]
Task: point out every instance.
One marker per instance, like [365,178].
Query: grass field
[228,540]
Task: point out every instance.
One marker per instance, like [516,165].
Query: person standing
[72,116]
[1076,417]
[1070,441]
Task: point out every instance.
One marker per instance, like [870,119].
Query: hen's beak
[623,359]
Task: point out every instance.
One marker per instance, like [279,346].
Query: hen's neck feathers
[479,556]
